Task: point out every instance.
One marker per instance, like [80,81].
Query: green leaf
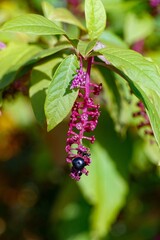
[73,32]
[137,27]
[115,6]
[85,47]
[32,24]
[40,80]
[116,97]
[143,77]
[105,188]
[95,18]
[48,52]
[61,15]
[111,39]
[14,57]
[19,110]
[60,98]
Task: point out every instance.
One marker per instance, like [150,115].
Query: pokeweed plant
[67,73]
[71,88]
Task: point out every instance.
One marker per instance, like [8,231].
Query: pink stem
[87,91]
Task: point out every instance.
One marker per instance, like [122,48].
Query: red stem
[87,92]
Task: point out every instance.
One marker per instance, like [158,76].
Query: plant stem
[90,60]
[86,95]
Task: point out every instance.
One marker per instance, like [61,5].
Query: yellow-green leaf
[32,24]
[95,18]
[143,77]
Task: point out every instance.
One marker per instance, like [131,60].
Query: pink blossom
[2,45]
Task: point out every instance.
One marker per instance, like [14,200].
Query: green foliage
[95,18]
[60,15]
[14,57]
[85,47]
[40,61]
[59,98]
[136,28]
[40,80]
[32,24]
[143,78]
[107,197]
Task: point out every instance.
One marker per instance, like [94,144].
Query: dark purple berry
[78,163]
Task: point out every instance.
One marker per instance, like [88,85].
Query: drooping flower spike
[83,119]
[146,121]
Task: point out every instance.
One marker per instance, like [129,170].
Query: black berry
[78,163]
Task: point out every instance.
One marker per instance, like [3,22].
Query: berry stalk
[83,119]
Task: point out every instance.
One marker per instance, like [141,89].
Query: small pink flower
[139,46]
[154,3]
[2,45]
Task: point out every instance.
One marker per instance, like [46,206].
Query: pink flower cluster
[154,3]
[155,7]
[75,3]
[139,46]
[83,119]
[2,45]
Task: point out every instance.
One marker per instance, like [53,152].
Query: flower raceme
[83,119]
[146,121]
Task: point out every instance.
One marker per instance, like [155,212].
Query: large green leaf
[14,57]
[116,97]
[95,18]
[105,188]
[60,15]
[40,80]
[137,27]
[109,38]
[143,77]
[32,24]
[60,98]
[48,52]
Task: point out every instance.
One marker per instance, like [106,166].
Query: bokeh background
[120,198]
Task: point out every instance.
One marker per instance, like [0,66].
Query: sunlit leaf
[14,57]
[137,27]
[60,98]
[119,5]
[116,97]
[105,188]
[84,47]
[61,15]
[111,39]
[95,18]
[32,24]
[48,52]
[40,80]
[143,77]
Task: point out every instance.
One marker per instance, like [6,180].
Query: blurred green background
[120,197]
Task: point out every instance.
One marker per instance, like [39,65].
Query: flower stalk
[83,119]
[146,121]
